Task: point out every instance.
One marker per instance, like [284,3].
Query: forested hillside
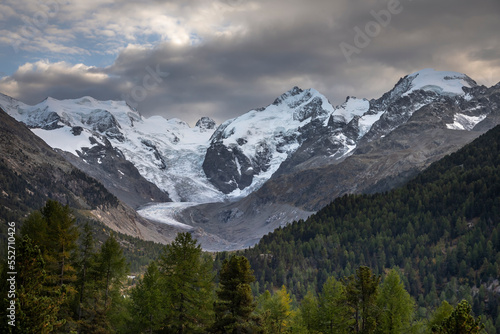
[70,280]
[441,230]
[423,258]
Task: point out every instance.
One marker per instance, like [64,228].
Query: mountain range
[233,183]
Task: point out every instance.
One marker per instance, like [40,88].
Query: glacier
[171,154]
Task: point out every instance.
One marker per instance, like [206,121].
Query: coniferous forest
[440,231]
[423,258]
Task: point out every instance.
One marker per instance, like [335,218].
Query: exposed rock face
[107,164]
[384,159]
[236,172]
[206,123]
[275,164]
[33,172]
[246,151]
[104,122]
[410,132]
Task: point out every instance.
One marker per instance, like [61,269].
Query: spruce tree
[235,305]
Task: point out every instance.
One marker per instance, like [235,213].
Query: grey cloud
[288,43]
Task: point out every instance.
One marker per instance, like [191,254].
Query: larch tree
[188,281]
[37,312]
[276,311]
[333,310]
[148,302]
[111,267]
[395,304]
[461,321]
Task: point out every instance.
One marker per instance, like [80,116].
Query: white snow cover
[266,130]
[182,149]
[170,154]
[366,121]
[63,139]
[441,82]
[147,141]
[351,108]
[464,122]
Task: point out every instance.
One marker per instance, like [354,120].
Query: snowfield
[170,153]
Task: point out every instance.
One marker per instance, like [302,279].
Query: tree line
[423,258]
[441,229]
[66,284]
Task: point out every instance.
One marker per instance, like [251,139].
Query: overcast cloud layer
[193,58]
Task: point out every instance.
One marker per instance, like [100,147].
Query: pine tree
[188,281]
[235,305]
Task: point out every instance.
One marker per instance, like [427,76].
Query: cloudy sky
[221,58]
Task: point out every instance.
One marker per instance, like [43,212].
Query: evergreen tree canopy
[188,283]
[460,321]
[235,305]
[36,311]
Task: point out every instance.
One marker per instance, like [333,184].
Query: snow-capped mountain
[167,153]
[246,151]
[358,147]
[268,156]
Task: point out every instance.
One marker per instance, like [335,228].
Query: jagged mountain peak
[250,148]
[296,96]
[206,123]
[299,133]
[292,92]
[440,82]
[429,81]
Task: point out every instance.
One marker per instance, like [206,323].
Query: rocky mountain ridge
[271,165]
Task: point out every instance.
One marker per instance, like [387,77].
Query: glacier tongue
[167,153]
[186,162]
[208,164]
